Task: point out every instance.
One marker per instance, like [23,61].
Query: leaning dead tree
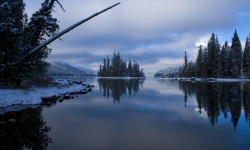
[23,46]
[63,32]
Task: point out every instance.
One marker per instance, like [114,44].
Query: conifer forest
[119,68]
[216,61]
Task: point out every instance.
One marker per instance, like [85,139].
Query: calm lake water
[138,115]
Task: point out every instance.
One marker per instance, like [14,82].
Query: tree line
[215,60]
[119,68]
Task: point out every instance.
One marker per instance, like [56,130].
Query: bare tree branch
[60,5]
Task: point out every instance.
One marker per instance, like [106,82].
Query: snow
[212,79]
[33,96]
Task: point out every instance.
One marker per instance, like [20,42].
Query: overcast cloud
[154,33]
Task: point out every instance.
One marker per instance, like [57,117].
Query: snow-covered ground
[209,79]
[33,95]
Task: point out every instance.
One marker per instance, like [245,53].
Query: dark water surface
[150,114]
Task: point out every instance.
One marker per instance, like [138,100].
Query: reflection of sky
[148,120]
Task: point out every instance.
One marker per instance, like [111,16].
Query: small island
[118,68]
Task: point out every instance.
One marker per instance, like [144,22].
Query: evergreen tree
[124,69]
[130,69]
[19,36]
[246,58]
[11,34]
[190,69]
[213,48]
[204,72]
[199,62]
[99,73]
[108,66]
[181,71]
[119,68]
[236,55]
[224,60]
[185,64]
[104,68]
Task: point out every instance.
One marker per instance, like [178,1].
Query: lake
[137,115]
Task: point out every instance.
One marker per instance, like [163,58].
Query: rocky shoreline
[68,95]
[65,89]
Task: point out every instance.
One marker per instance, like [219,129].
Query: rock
[61,100]
[82,92]
[66,96]
[12,120]
[51,99]
[47,103]
[2,122]
[90,89]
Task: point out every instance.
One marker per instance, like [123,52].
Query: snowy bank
[207,79]
[33,96]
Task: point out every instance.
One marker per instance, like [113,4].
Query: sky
[155,33]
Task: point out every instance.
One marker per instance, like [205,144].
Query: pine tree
[185,64]
[19,36]
[118,68]
[190,69]
[204,72]
[236,53]
[100,71]
[213,48]
[224,60]
[199,62]
[104,68]
[130,69]
[246,58]
[11,31]
[108,67]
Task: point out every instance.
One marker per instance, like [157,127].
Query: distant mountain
[86,69]
[168,72]
[149,73]
[64,69]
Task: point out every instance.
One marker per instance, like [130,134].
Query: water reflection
[116,88]
[24,129]
[219,98]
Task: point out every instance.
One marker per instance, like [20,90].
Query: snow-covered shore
[33,95]
[208,79]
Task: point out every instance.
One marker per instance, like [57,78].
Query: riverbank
[34,95]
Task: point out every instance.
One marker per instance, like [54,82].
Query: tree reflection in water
[116,88]
[216,98]
[28,130]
